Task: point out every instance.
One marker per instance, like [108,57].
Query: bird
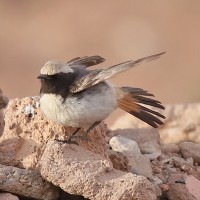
[73,95]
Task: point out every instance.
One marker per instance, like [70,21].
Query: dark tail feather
[139,95]
[131,103]
[147,117]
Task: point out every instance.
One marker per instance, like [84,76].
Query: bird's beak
[43,76]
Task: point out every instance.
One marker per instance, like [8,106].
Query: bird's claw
[70,140]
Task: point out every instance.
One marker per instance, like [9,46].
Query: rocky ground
[136,162]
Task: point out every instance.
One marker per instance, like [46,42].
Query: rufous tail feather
[133,101]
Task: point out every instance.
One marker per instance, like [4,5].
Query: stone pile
[34,165]
[123,164]
[175,169]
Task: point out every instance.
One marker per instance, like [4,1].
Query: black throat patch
[58,84]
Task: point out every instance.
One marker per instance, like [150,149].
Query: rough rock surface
[169,164]
[3,100]
[27,132]
[26,183]
[137,163]
[90,169]
[193,186]
[1,122]
[3,103]
[8,196]
[147,138]
[178,190]
[182,123]
[89,175]
[190,149]
[169,148]
[119,161]
[172,170]
[28,142]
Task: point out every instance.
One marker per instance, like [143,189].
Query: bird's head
[56,78]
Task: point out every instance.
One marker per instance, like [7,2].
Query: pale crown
[54,67]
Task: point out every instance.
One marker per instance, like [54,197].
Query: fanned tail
[133,101]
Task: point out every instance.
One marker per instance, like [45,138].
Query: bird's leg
[85,134]
[69,139]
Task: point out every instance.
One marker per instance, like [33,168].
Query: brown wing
[86,61]
[99,75]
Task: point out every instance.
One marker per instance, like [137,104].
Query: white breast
[80,110]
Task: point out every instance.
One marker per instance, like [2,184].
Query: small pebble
[164,187]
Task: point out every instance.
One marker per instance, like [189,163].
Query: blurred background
[33,32]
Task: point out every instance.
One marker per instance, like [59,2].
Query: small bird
[72,95]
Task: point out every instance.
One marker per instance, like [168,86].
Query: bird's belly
[79,110]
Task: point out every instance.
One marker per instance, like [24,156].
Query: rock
[140,135]
[178,191]
[147,138]
[82,172]
[151,149]
[162,177]
[179,162]
[163,157]
[124,145]
[92,170]
[119,161]
[158,191]
[198,169]
[186,166]
[157,170]
[27,133]
[137,163]
[3,103]
[28,142]
[164,187]
[1,122]
[3,100]
[190,149]
[182,123]
[26,183]
[190,161]
[169,148]
[156,180]
[173,164]
[193,186]
[8,196]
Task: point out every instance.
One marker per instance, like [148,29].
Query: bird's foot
[72,139]
[84,136]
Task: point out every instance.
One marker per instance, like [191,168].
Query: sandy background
[33,32]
